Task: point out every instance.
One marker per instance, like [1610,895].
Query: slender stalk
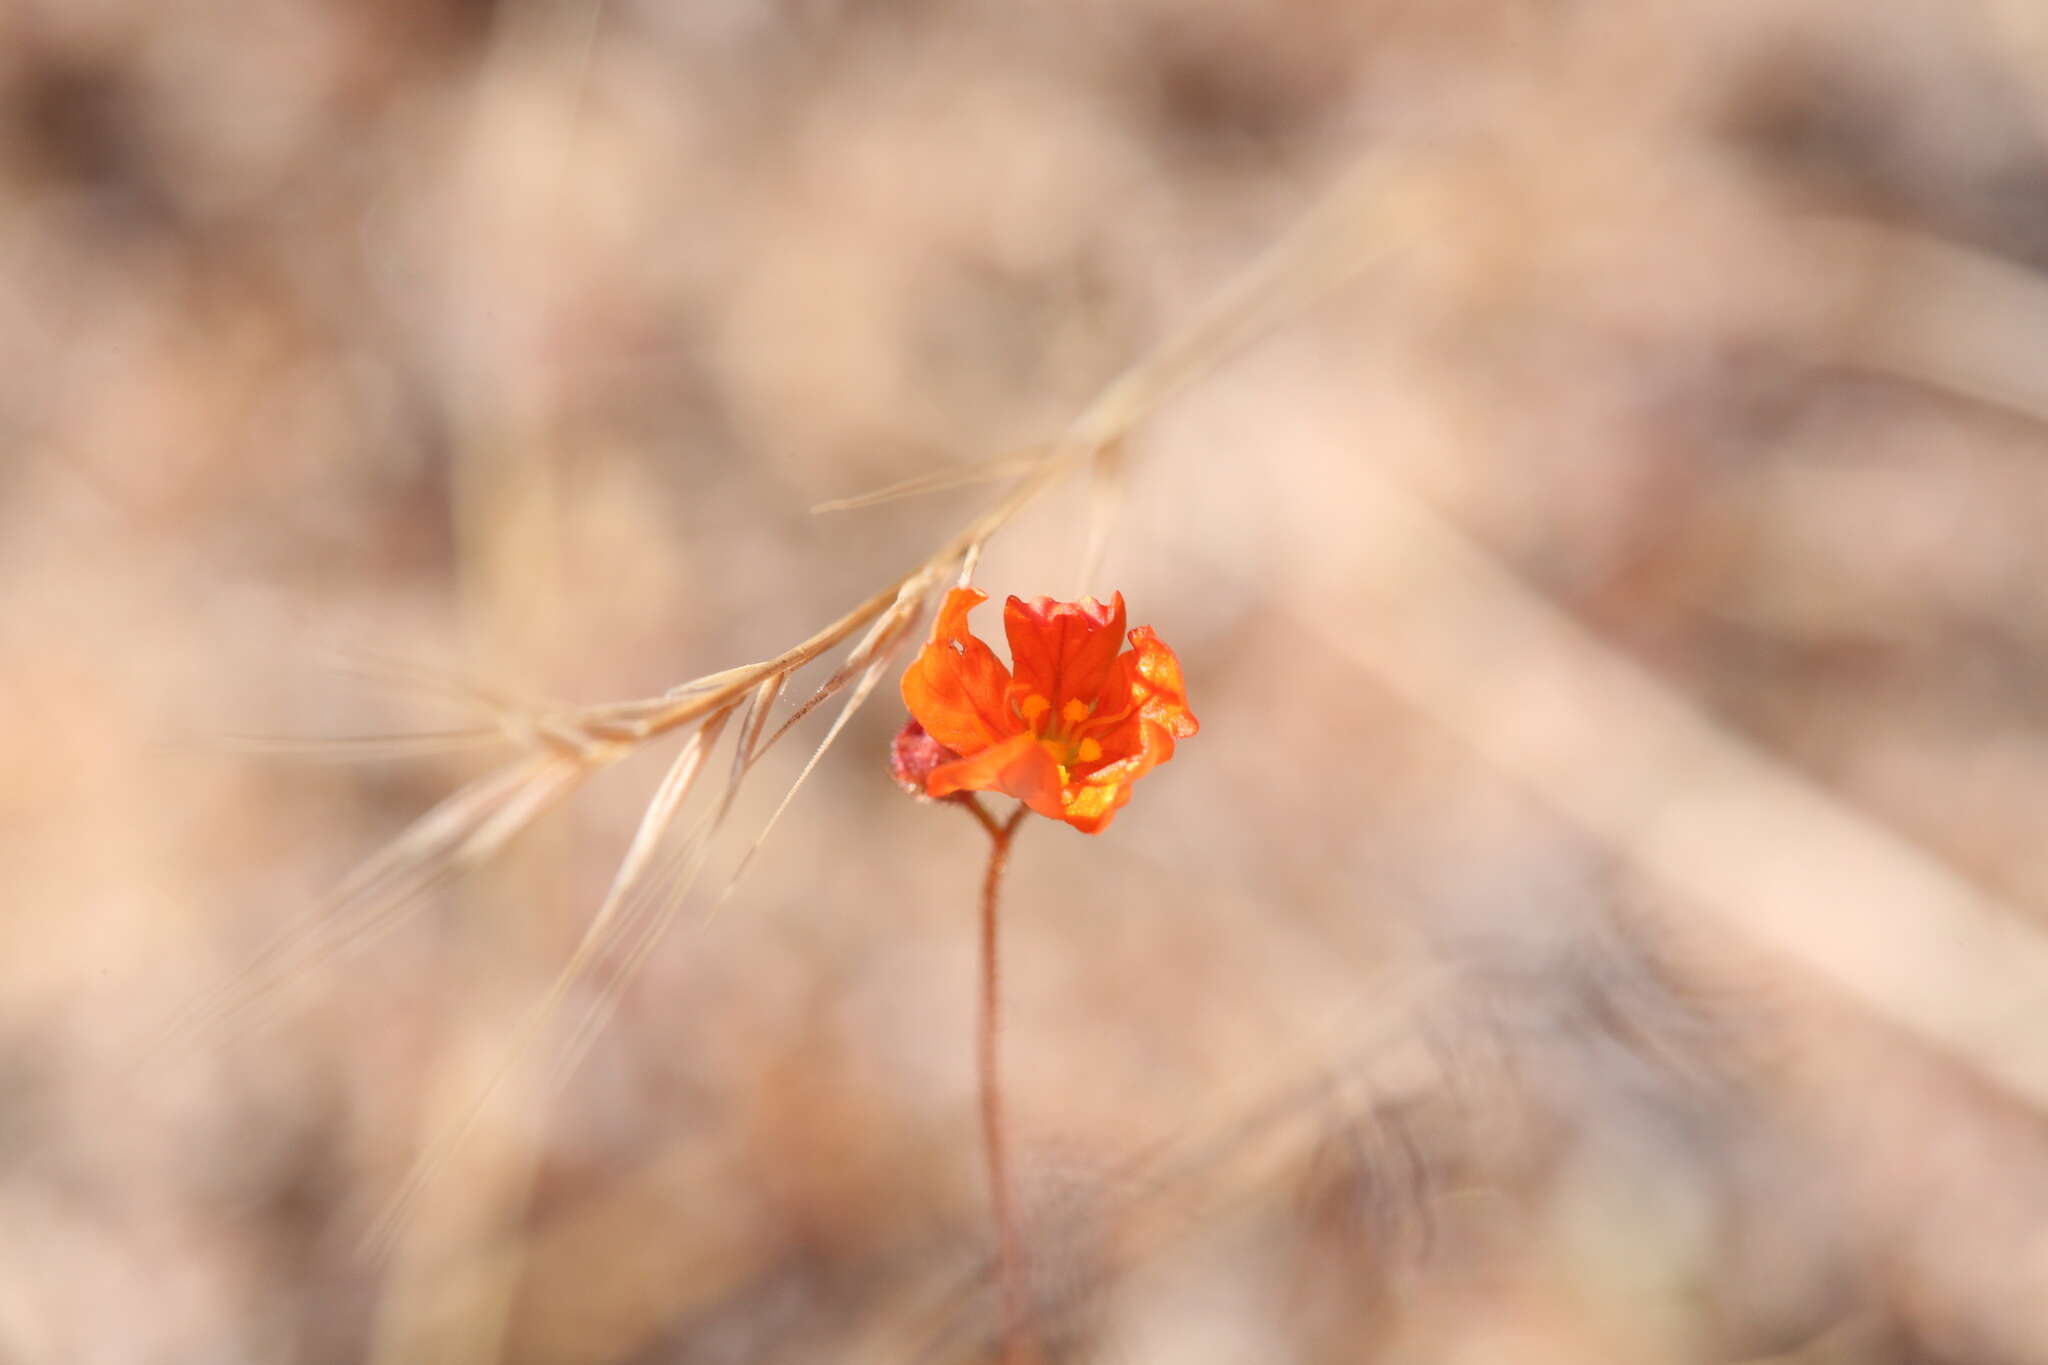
[1019,1345]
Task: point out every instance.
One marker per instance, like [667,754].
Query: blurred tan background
[1602,918]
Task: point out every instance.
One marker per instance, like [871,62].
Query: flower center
[1060,739]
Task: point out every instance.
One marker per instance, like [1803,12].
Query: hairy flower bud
[912,756]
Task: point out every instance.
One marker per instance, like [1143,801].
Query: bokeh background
[1600,920]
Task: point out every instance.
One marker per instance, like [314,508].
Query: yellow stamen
[1089,750]
[1032,707]
[1076,711]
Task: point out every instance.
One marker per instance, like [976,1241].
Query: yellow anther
[1076,711]
[1032,707]
[1089,751]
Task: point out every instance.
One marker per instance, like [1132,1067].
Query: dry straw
[1975,983]
[562,747]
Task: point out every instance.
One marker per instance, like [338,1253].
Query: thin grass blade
[938,481]
[853,703]
[359,748]
[466,828]
[614,923]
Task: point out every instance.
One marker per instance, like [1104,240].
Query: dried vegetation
[1590,460]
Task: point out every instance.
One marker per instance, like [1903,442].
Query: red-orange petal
[1143,710]
[1063,651]
[956,687]
[1018,767]
[1091,808]
[1095,794]
[1157,687]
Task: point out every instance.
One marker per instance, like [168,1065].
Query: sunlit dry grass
[1589,460]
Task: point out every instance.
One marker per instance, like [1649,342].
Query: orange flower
[1071,729]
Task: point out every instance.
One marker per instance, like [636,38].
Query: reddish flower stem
[1019,1344]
